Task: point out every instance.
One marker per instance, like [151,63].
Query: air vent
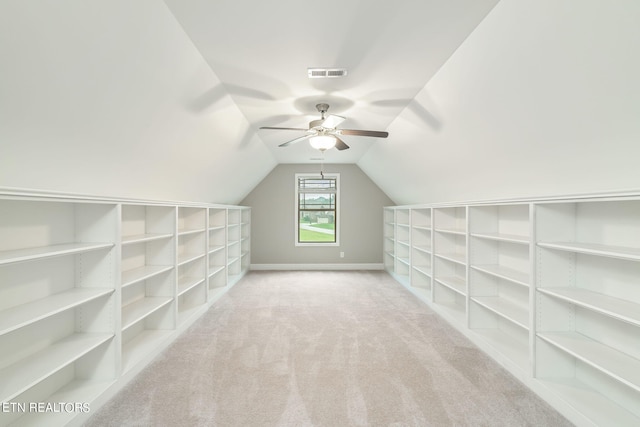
[326,73]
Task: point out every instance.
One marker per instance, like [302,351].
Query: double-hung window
[317,218]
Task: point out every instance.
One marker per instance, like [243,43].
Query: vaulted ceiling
[261,50]
[164,99]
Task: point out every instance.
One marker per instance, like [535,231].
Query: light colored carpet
[323,349]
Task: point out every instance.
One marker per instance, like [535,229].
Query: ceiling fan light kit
[323,133]
[322,142]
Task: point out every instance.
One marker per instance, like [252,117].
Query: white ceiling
[260,51]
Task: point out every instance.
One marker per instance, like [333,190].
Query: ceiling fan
[322,133]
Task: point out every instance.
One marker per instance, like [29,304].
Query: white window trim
[297,216]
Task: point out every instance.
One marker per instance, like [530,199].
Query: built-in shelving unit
[245,238]
[402,248]
[148,274]
[422,253]
[588,300]
[192,261]
[217,252]
[450,261]
[57,300]
[92,289]
[499,278]
[389,243]
[234,244]
[549,288]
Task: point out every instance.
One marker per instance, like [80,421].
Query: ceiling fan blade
[373,133]
[331,121]
[293,141]
[276,128]
[340,144]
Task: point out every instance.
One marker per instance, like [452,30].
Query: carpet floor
[319,348]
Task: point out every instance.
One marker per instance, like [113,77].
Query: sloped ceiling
[163,100]
[261,50]
[101,98]
[542,99]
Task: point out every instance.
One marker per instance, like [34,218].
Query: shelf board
[456,231]
[187,312]
[138,310]
[423,248]
[30,254]
[451,310]
[402,224]
[31,312]
[607,360]
[141,238]
[454,283]
[187,232]
[30,370]
[215,248]
[513,238]
[590,403]
[507,346]
[232,260]
[506,309]
[454,257]
[620,309]
[141,346]
[216,227]
[423,269]
[621,252]
[187,283]
[139,274]
[404,260]
[403,242]
[423,293]
[422,227]
[188,257]
[505,273]
[216,292]
[215,269]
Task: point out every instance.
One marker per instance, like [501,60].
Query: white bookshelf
[450,261]
[588,296]
[94,288]
[147,277]
[192,252]
[57,299]
[548,288]
[216,252]
[234,244]
[389,240]
[422,252]
[500,278]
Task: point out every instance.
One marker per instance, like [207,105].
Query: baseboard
[363,266]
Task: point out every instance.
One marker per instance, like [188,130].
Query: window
[317,209]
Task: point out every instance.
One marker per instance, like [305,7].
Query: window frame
[296,206]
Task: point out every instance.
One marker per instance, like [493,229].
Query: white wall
[542,99]
[111,98]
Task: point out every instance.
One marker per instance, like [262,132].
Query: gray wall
[273,214]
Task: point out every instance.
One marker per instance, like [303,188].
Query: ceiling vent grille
[326,73]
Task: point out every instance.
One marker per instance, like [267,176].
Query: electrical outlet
[341,254]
